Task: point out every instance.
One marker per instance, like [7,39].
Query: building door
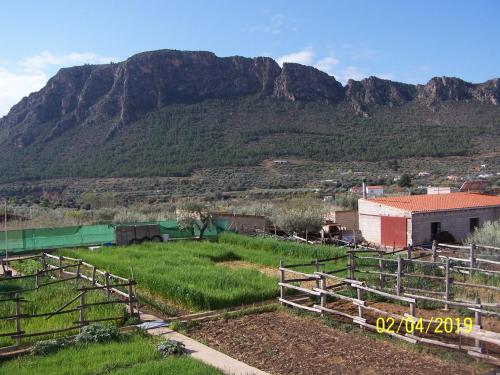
[473,224]
[435,229]
[393,231]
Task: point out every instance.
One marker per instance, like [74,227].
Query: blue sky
[400,40]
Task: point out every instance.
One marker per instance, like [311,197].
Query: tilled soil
[283,343]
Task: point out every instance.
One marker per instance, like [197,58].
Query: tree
[405,180]
[195,214]
[299,220]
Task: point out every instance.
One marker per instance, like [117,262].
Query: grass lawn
[47,299]
[189,273]
[135,354]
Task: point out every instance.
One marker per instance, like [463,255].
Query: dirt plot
[283,343]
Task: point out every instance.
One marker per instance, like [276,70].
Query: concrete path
[155,326]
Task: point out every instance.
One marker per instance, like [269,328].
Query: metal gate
[393,231]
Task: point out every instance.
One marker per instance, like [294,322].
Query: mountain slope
[169,112]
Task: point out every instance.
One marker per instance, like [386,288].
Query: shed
[347,218]
[418,219]
[242,223]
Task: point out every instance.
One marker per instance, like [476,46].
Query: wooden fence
[60,269]
[389,277]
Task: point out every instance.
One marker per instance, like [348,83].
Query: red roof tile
[439,202]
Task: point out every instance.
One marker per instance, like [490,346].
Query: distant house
[441,190]
[280,161]
[474,186]
[348,219]
[423,174]
[242,223]
[371,190]
[419,219]
[452,178]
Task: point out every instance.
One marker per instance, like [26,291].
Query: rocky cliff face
[146,82]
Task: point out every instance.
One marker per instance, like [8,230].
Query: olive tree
[300,220]
[194,214]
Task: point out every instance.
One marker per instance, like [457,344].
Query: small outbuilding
[419,219]
[240,223]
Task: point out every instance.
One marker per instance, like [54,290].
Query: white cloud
[13,87]
[19,79]
[274,23]
[46,59]
[304,57]
[351,72]
[326,64]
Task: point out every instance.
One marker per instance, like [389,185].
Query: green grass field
[191,274]
[48,299]
[135,354]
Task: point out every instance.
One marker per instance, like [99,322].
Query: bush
[488,234]
[97,333]
[170,347]
[49,346]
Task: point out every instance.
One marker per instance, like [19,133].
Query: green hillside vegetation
[191,274]
[136,354]
[242,132]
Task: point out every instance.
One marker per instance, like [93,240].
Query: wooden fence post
[398,280]
[78,271]
[410,249]
[43,262]
[106,283]
[323,296]
[82,309]
[472,255]
[351,266]
[360,308]
[412,308]
[37,280]
[447,283]
[318,284]
[60,267]
[282,280]
[18,319]
[434,250]
[93,274]
[478,321]
[131,297]
[381,269]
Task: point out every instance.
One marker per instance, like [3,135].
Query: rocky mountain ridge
[124,92]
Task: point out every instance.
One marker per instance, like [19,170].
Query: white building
[371,190]
[418,219]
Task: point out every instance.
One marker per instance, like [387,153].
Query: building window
[435,229]
[473,224]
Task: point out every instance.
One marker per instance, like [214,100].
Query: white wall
[369,218]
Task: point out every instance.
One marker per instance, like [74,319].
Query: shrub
[97,333]
[170,347]
[488,234]
[49,346]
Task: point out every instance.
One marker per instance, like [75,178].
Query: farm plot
[135,354]
[199,275]
[291,344]
[46,299]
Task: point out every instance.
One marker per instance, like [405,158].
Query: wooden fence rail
[320,295]
[60,273]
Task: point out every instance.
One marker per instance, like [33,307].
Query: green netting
[49,238]
[85,235]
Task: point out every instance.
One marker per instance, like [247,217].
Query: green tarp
[24,240]
[50,238]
